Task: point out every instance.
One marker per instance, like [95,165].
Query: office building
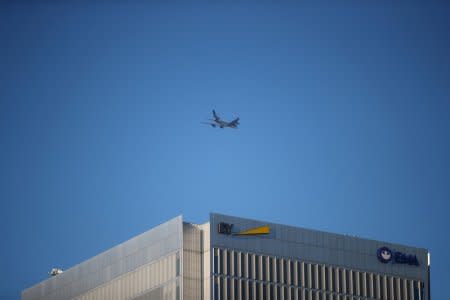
[239,259]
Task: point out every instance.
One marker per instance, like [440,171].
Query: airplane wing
[234,123]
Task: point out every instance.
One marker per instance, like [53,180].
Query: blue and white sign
[385,255]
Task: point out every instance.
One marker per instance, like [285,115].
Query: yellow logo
[254,231]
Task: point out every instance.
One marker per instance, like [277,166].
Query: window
[257,267]
[313,276]
[271,270]
[264,271]
[284,271]
[299,273]
[257,292]
[347,281]
[216,288]
[300,294]
[369,281]
[221,258]
[333,279]
[250,265]
[243,265]
[228,271]
[308,276]
[236,289]
[278,269]
[222,288]
[235,264]
[319,277]
[291,272]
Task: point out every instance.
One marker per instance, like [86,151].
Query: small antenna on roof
[55,271]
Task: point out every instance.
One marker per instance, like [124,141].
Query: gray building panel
[140,250]
[316,246]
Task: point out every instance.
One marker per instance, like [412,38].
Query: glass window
[250,265]
[271,269]
[278,269]
[264,271]
[257,290]
[257,267]
[347,281]
[221,258]
[216,288]
[319,277]
[362,282]
[313,276]
[327,278]
[235,264]
[278,292]
[395,284]
[250,290]
[333,279]
[222,288]
[291,272]
[264,292]
[244,265]
[228,271]
[308,275]
[284,271]
[243,290]
[236,289]
[369,281]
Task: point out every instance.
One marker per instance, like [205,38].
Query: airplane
[217,121]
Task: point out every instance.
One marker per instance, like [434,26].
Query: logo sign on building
[227,228]
[385,255]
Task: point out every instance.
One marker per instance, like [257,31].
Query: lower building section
[241,275]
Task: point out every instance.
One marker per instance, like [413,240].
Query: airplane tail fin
[215,115]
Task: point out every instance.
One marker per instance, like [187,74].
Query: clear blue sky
[344,123]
